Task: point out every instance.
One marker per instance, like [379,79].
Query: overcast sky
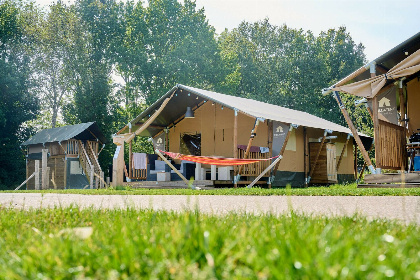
[378,24]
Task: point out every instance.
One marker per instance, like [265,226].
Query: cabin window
[190,144]
[291,143]
[75,168]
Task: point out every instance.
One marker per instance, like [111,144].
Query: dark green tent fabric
[83,131]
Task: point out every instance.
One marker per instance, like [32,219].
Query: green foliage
[17,100]
[137,244]
[288,67]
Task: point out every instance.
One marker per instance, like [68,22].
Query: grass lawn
[134,244]
[337,190]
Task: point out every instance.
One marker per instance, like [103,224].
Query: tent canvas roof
[83,131]
[189,96]
[385,62]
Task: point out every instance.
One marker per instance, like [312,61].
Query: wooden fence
[392,146]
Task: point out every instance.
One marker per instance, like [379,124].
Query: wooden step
[392,178]
[398,186]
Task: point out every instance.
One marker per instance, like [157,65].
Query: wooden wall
[56,164]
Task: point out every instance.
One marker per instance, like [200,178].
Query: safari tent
[70,153]
[389,87]
[198,122]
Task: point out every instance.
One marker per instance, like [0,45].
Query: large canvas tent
[229,126]
[392,91]
[71,155]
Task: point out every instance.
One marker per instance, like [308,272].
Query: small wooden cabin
[390,87]
[72,154]
[193,121]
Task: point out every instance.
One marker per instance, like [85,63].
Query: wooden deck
[204,184]
[168,184]
[384,186]
[391,180]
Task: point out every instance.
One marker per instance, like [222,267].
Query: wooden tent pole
[265,171]
[343,151]
[251,138]
[235,144]
[376,125]
[362,171]
[403,121]
[355,162]
[149,121]
[270,146]
[376,131]
[283,148]
[317,156]
[130,155]
[354,132]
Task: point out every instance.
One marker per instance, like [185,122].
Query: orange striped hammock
[215,160]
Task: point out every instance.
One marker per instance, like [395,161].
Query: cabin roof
[83,131]
[185,96]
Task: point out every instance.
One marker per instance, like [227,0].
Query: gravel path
[403,208]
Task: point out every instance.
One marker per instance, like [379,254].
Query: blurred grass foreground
[71,243]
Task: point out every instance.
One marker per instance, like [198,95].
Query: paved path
[406,209]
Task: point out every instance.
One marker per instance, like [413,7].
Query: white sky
[379,25]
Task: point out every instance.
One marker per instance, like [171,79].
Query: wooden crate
[325,169]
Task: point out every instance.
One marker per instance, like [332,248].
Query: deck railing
[72,147]
[86,164]
[254,169]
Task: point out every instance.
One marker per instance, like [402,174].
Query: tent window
[190,144]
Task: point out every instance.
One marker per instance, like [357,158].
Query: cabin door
[331,162]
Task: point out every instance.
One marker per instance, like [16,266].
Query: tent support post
[149,121]
[376,133]
[270,146]
[265,171]
[343,151]
[189,184]
[376,124]
[355,162]
[235,145]
[305,154]
[248,147]
[316,158]
[354,132]
[283,148]
[130,155]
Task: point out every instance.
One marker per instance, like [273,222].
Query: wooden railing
[140,174]
[257,168]
[91,148]
[392,142]
[87,166]
[72,147]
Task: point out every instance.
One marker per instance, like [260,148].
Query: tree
[17,101]
[288,67]
[55,40]
[164,44]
